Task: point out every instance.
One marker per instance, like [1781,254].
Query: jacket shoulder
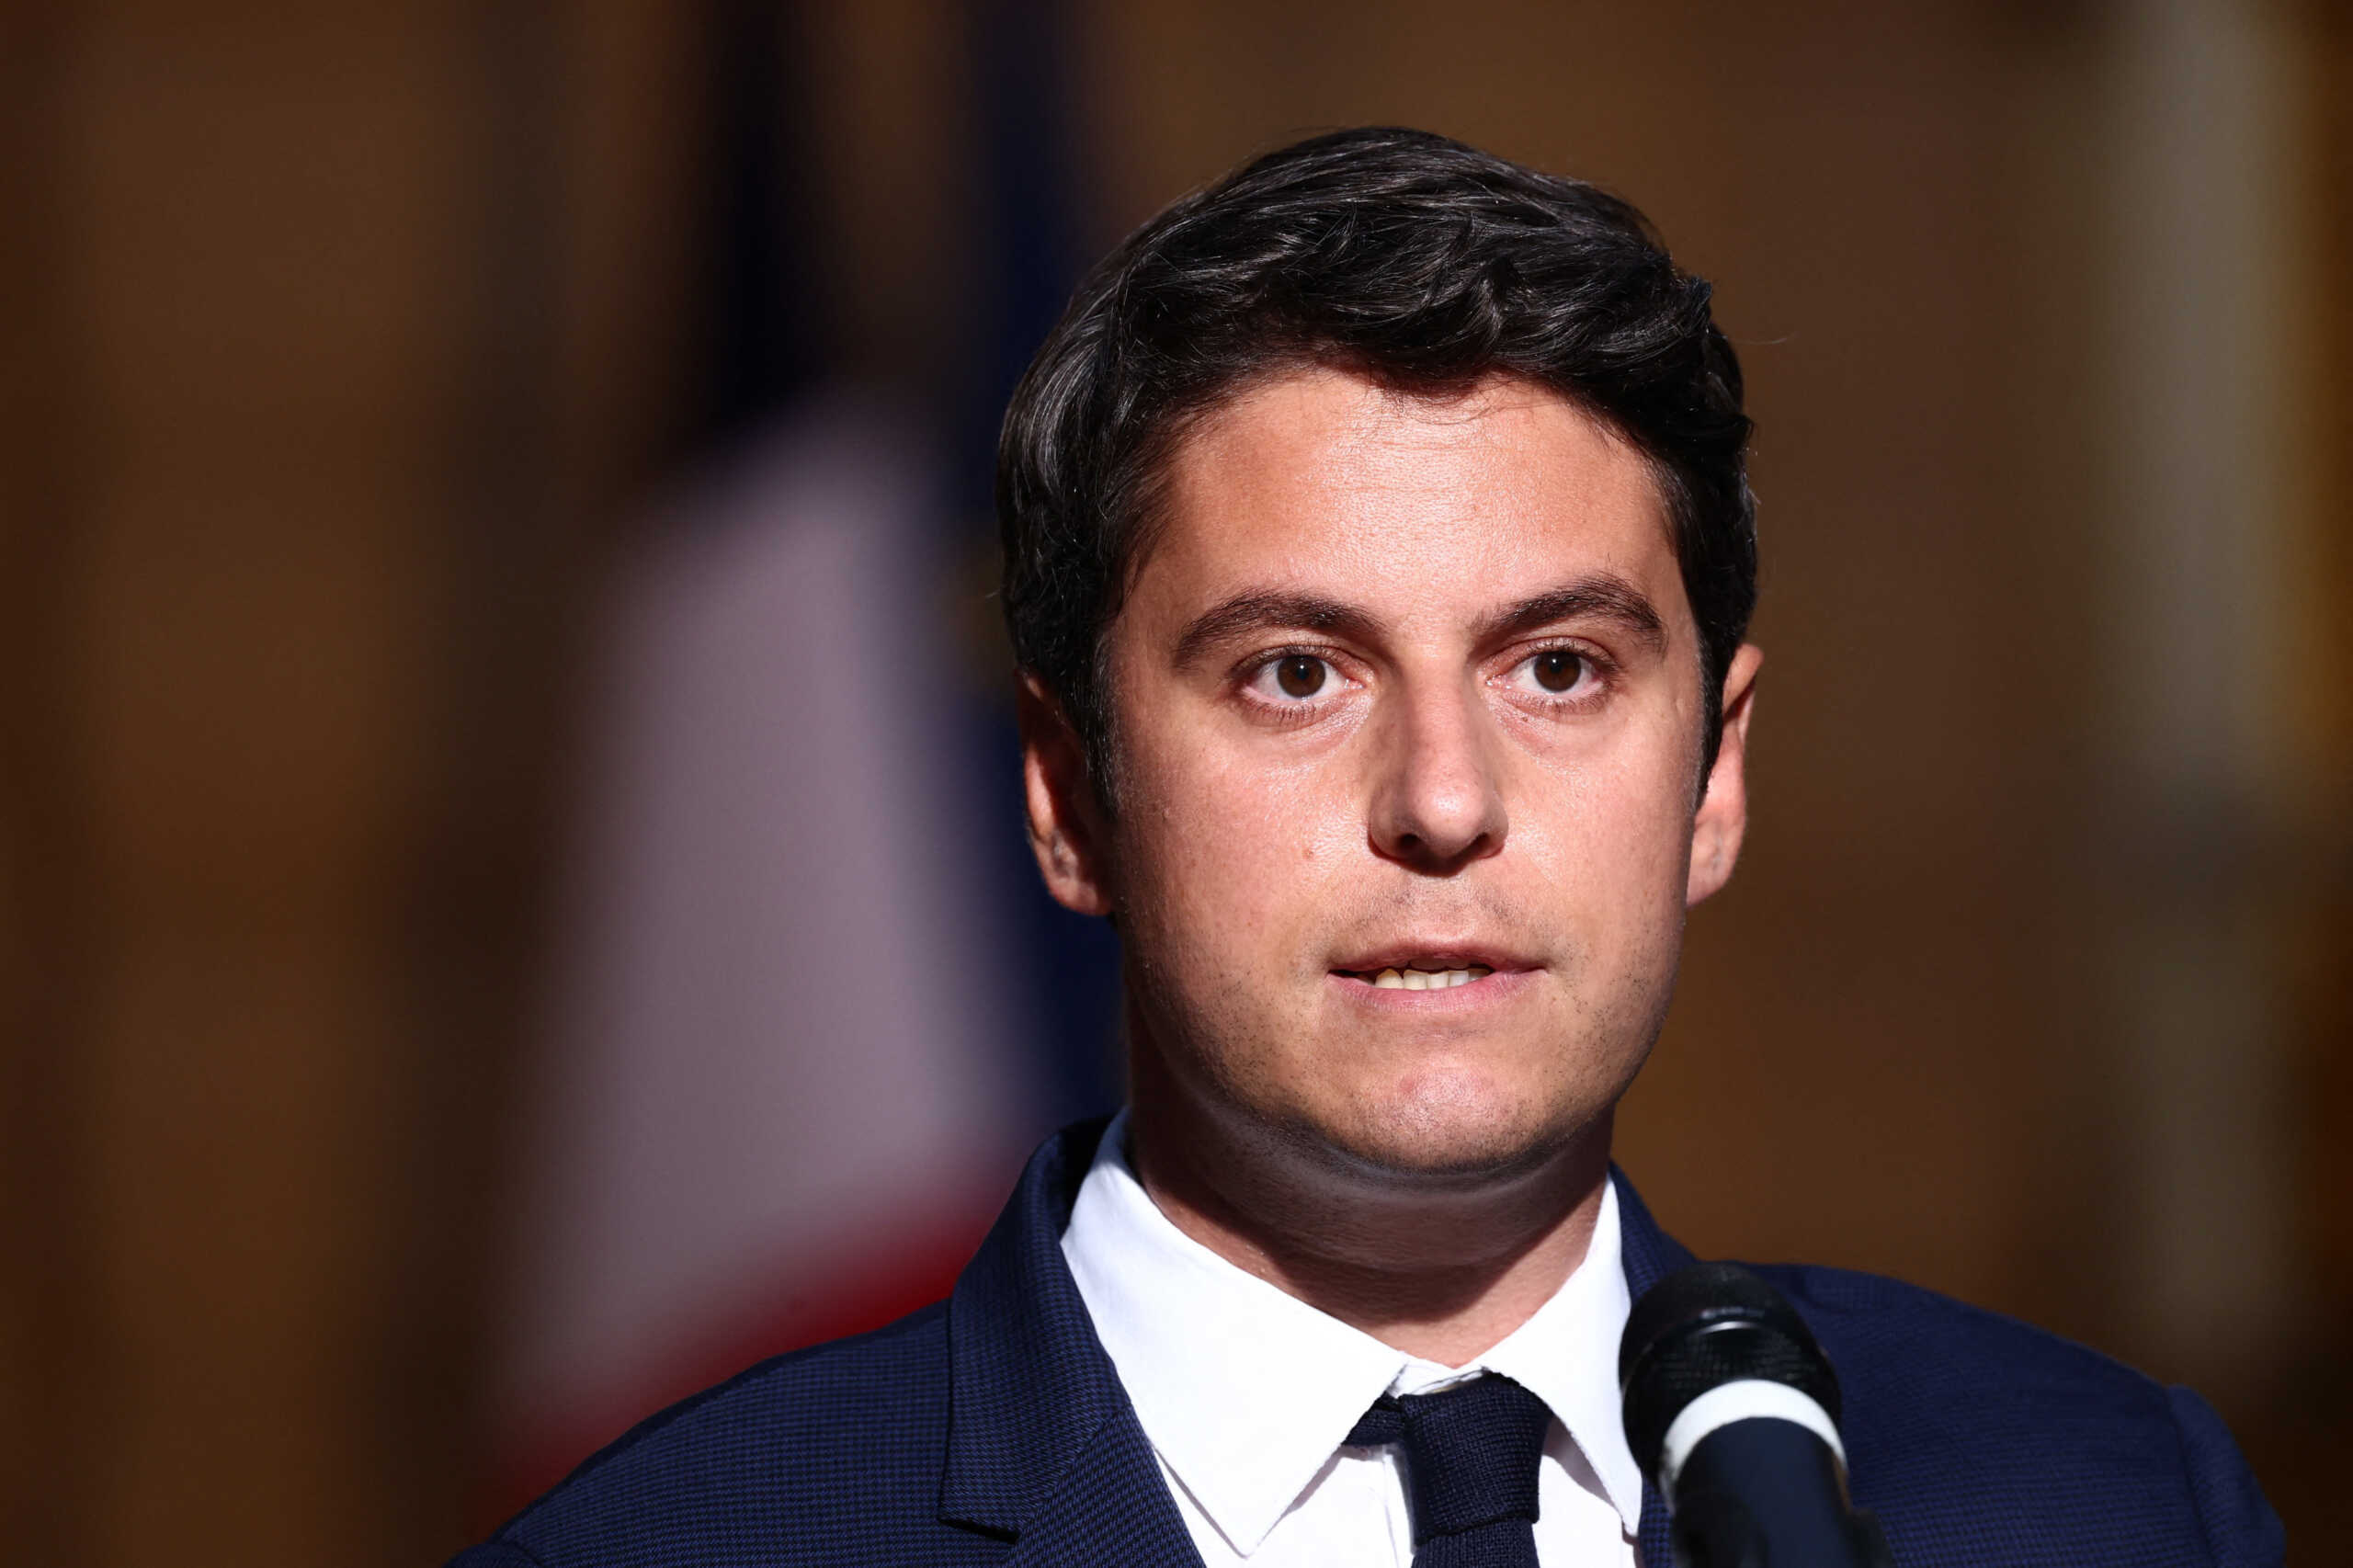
[1977,1437]
[829,1454]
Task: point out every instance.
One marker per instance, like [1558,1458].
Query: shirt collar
[1246,1391]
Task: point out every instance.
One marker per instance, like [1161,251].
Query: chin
[1446,1132]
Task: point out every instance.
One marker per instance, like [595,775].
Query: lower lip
[1499,987]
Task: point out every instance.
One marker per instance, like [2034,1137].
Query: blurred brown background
[346,348]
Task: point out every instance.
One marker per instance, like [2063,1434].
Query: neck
[1441,1268]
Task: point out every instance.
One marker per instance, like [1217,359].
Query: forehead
[1417,507]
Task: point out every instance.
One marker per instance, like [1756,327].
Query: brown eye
[1300,676]
[1557,670]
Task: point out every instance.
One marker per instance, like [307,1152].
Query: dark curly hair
[1401,256]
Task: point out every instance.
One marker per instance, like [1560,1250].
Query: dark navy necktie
[1470,1460]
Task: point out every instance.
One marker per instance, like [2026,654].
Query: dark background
[346,350]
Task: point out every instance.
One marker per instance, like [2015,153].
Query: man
[1378,562]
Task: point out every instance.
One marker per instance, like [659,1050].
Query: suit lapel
[1111,1507]
[1044,1449]
[1650,1254]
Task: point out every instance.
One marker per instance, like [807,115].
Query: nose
[1438,804]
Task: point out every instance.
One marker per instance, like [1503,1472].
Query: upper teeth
[1429,978]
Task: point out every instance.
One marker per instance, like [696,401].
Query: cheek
[1615,835]
[1222,855]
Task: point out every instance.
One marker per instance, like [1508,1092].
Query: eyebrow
[1249,612]
[1603,596]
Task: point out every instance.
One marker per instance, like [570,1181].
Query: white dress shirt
[1247,1393]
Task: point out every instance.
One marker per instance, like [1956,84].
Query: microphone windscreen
[1703,1327]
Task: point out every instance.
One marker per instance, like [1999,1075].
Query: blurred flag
[785,1089]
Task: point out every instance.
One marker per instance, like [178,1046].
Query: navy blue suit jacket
[991,1429]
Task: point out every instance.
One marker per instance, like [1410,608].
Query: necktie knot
[1471,1457]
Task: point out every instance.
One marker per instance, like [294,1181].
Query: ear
[1066,821]
[1718,826]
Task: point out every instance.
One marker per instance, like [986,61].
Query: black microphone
[1732,1411]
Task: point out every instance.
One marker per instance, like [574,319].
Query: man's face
[1407,724]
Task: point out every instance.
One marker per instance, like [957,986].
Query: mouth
[1411,977]
[1433,969]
